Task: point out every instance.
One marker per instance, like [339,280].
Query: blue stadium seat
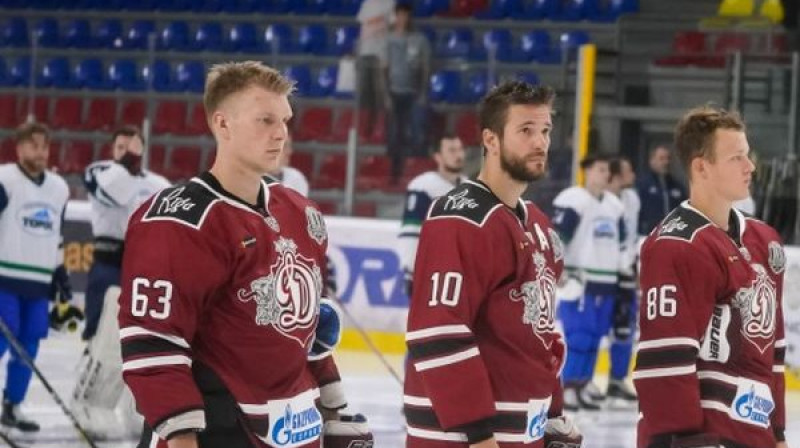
[191,76]
[207,6]
[102,5]
[457,43]
[529,77]
[477,86]
[15,33]
[301,75]
[56,73]
[430,34]
[46,32]
[536,46]
[124,75]
[138,5]
[89,75]
[108,34]
[136,37]
[500,9]
[308,7]
[445,86]
[503,42]
[173,5]
[326,81]
[241,6]
[78,34]
[162,77]
[278,7]
[4,76]
[346,8]
[571,10]
[313,39]
[279,35]
[540,9]
[345,40]
[427,8]
[174,36]
[609,10]
[244,37]
[208,37]
[20,73]
[571,41]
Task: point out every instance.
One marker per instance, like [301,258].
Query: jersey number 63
[140,300]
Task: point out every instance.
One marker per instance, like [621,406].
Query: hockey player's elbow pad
[329,330]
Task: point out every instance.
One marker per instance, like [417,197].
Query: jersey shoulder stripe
[469,201]
[682,224]
[187,203]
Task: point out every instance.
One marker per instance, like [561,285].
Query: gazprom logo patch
[38,219]
[754,407]
[296,428]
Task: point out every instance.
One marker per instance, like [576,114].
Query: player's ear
[490,141]
[699,168]
[219,125]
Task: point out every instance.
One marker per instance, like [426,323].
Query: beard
[454,169]
[517,167]
[34,166]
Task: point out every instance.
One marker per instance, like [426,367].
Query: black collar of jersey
[212,182]
[38,180]
[519,211]
[734,229]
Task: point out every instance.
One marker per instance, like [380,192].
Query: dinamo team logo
[757,306]
[288,298]
[539,297]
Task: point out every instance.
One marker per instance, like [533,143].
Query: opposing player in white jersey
[116,188]
[422,191]
[623,317]
[32,203]
[288,176]
[590,223]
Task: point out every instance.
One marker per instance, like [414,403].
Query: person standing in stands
[407,71]
[375,17]
[658,190]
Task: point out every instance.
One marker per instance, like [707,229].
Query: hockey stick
[5,438]
[369,342]
[26,358]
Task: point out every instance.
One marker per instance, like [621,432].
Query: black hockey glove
[65,316]
[622,321]
[347,431]
[132,163]
[60,287]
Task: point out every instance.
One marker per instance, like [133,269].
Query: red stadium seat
[185,162]
[8,112]
[416,166]
[373,173]
[105,152]
[132,113]
[67,114]
[54,158]
[365,209]
[303,161]
[378,134]
[344,121]
[467,129]
[170,118]
[197,123]
[41,110]
[732,42]
[331,173]
[102,115]
[315,123]
[77,155]
[157,159]
[8,151]
[688,47]
[328,207]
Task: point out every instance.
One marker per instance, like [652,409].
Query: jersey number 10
[448,290]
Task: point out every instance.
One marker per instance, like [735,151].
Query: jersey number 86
[661,302]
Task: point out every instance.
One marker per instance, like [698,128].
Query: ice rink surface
[371,390]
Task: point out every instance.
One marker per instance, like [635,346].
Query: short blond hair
[695,132]
[226,79]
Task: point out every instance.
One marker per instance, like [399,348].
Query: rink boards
[370,282]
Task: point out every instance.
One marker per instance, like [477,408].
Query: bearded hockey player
[709,368]
[485,355]
[222,281]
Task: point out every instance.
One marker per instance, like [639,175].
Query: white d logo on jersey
[288,298]
[540,299]
[757,306]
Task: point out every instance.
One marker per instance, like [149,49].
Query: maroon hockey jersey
[710,356]
[484,352]
[215,288]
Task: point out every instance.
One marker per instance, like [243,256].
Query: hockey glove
[348,431]
[697,441]
[329,330]
[60,287]
[132,162]
[562,432]
[622,321]
[63,316]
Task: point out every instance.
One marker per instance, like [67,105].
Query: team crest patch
[558,245]
[673,225]
[288,298]
[777,257]
[316,225]
[757,306]
[539,297]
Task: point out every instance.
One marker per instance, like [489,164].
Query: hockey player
[222,280]
[485,354]
[709,367]
[623,316]
[32,204]
[421,192]
[116,189]
[290,177]
[590,222]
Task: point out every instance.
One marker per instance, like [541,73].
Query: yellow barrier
[584,98]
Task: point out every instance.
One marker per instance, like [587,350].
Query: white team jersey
[631,206]
[115,194]
[420,194]
[30,225]
[295,179]
[591,229]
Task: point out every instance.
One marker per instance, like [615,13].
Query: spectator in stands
[375,17]
[658,190]
[288,176]
[422,191]
[791,12]
[407,72]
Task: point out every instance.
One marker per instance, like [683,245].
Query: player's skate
[594,392]
[12,417]
[578,398]
[620,394]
